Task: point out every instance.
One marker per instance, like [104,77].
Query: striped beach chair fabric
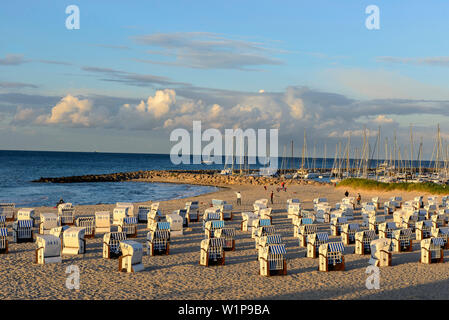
[157,242]
[261,232]
[314,241]
[229,235]
[142,213]
[432,250]
[363,240]
[211,226]
[193,211]
[259,223]
[423,229]
[3,240]
[212,252]
[22,231]
[7,210]
[336,224]
[88,223]
[27,214]
[111,244]
[304,231]
[442,232]
[331,257]
[402,240]
[386,229]
[268,240]
[66,214]
[272,260]
[2,221]
[128,225]
[348,232]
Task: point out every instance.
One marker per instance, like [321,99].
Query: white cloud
[70,110]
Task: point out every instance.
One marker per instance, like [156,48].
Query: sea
[19,168]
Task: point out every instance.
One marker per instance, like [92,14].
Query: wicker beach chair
[348,232]
[374,222]
[154,216]
[375,202]
[176,224]
[323,214]
[363,240]
[298,222]
[438,220]
[210,214]
[193,211]
[142,213]
[259,223]
[163,225]
[131,258]
[367,212]
[88,223]
[229,235]
[386,229]
[331,257]
[102,222]
[225,211]
[2,221]
[27,214]
[423,229]
[59,231]
[432,250]
[128,205]
[304,231]
[442,232]
[111,244]
[293,209]
[3,240]
[389,207]
[118,214]
[293,201]
[308,214]
[22,231]
[260,204]
[272,260]
[380,252]
[261,232]
[336,224]
[158,242]
[48,221]
[402,240]
[184,215]
[266,241]
[349,201]
[396,201]
[128,225]
[212,252]
[247,220]
[73,241]
[7,210]
[211,226]
[314,241]
[48,249]
[266,213]
[66,214]
[431,209]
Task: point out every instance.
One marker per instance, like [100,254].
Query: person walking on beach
[271,196]
[359,198]
[346,193]
[239,198]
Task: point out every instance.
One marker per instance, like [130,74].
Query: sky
[135,71]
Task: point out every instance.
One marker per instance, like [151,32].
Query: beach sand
[179,275]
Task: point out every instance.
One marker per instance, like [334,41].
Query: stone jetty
[199,177]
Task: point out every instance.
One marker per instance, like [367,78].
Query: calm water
[18,168]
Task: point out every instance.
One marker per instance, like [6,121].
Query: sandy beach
[179,275]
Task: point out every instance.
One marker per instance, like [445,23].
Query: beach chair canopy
[277,249]
[3,232]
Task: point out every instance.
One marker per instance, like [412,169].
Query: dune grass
[368,184]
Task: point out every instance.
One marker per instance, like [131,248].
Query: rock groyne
[201,177]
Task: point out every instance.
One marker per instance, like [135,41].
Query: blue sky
[315,60]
